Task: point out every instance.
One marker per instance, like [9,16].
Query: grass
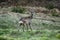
[54,13]
[31,35]
[58,35]
[49,6]
[42,30]
[18,10]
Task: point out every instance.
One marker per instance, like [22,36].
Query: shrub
[18,10]
[49,6]
[54,13]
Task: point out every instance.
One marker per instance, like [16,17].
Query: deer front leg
[23,27]
[30,26]
[27,26]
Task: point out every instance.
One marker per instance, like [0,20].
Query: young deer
[26,21]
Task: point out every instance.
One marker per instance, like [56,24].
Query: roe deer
[26,21]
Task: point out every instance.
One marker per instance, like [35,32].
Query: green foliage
[32,35]
[58,35]
[49,6]
[18,10]
[7,21]
[5,38]
[2,32]
[2,38]
[54,13]
[44,38]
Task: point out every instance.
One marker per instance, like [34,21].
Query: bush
[54,13]
[18,10]
[49,6]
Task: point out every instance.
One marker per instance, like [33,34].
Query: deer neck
[31,15]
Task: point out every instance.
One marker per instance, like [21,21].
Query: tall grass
[7,21]
[18,10]
[49,6]
[10,21]
[54,13]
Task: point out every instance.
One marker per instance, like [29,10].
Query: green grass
[18,10]
[49,6]
[54,13]
[42,30]
[31,35]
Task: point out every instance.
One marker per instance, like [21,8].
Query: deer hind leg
[22,25]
